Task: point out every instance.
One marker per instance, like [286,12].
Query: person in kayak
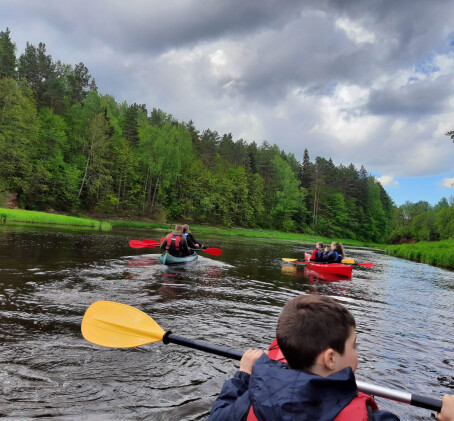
[175,243]
[317,254]
[192,242]
[335,254]
[317,337]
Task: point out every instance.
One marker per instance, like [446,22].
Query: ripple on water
[233,300]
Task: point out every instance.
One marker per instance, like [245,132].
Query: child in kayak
[317,337]
[317,254]
[335,254]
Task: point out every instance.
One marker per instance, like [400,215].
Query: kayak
[168,259]
[333,268]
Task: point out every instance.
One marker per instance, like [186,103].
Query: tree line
[65,146]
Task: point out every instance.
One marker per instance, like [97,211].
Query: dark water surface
[48,278]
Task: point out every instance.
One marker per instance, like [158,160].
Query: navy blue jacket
[332,256]
[278,392]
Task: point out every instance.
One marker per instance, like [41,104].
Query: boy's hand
[249,358]
[447,409]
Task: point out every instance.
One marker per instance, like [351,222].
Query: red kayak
[333,268]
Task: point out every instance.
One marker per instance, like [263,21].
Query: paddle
[137,244]
[116,325]
[352,262]
[212,250]
[294,261]
[345,261]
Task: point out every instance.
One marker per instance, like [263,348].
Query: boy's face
[350,357]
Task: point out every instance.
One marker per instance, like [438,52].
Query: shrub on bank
[437,253]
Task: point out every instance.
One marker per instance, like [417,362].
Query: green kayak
[167,259]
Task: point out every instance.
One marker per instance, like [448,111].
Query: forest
[66,147]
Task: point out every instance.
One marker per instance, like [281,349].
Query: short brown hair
[308,325]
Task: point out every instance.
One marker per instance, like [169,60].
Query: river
[49,277]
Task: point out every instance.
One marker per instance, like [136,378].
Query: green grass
[14,216]
[243,232]
[436,253]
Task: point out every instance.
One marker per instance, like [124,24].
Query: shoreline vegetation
[20,216]
[435,253]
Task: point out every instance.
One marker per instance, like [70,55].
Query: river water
[48,278]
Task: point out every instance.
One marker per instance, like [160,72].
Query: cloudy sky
[363,82]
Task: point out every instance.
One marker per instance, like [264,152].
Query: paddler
[175,243]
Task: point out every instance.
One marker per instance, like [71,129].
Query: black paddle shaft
[425,402]
[202,346]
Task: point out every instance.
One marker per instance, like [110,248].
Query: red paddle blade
[136,244]
[366,265]
[214,251]
[151,242]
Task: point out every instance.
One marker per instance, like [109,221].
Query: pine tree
[7,55]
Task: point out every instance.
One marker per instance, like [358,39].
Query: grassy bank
[14,216]
[242,232]
[439,253]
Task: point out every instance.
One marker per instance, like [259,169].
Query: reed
[436,253]
[13,216]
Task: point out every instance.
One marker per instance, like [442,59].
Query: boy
[317,337]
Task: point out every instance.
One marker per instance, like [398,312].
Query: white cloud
[448,182]
[387,181]
[355,32]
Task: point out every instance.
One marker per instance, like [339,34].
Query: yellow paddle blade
[349,261]
[117,325]
[285,259]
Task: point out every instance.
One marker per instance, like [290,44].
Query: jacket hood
[278,392]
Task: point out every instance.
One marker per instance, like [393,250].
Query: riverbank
[436,253]
[15,216]
[243,232]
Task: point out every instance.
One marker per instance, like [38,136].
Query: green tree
[97,180]
[19,127]
[79,82]
[288,196]
[7,55]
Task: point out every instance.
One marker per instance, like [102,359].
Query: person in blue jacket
[192,242]
[335,254]
[317,338]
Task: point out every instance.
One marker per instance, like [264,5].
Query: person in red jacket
[317,254]
[317,337]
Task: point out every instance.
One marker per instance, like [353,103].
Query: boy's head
[319,245]
[311,326]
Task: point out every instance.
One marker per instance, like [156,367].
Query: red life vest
[177,242]
[356,410]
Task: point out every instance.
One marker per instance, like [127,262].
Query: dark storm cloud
[414,100]
[157,26]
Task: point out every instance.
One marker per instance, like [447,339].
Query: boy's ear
[329,358]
